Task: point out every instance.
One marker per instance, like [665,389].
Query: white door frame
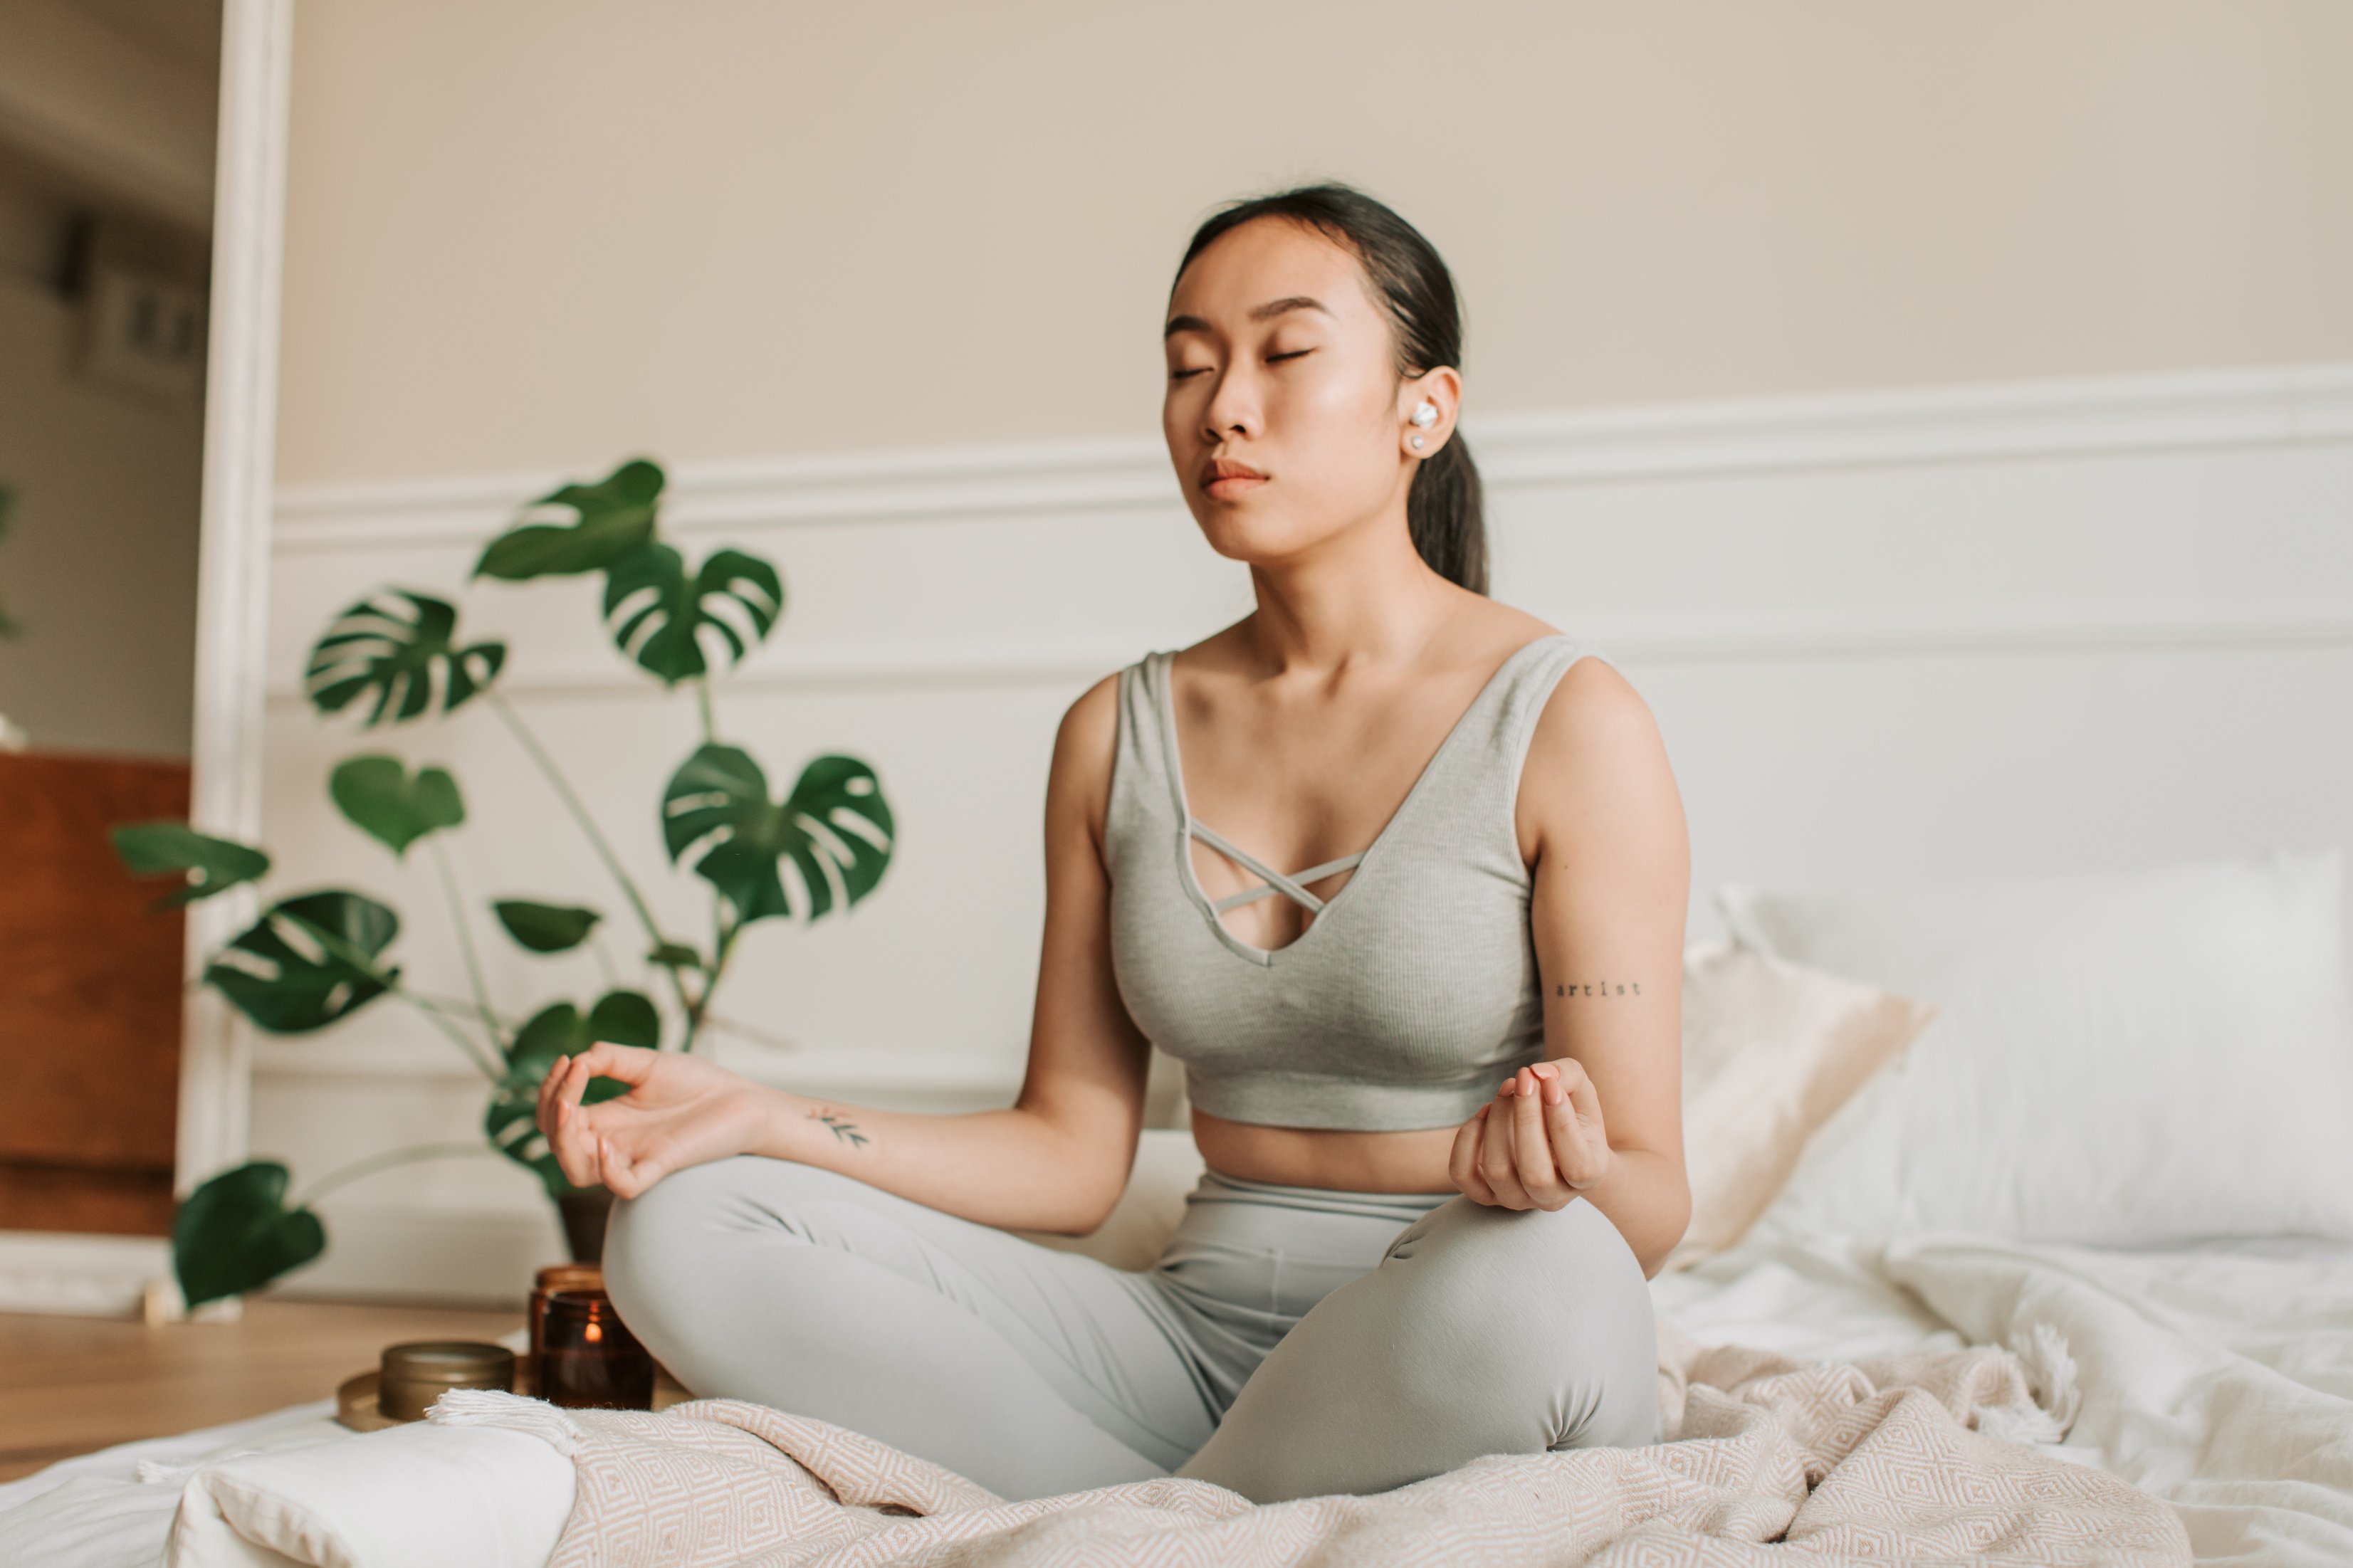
[41,1271]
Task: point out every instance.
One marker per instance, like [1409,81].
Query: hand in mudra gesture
[681,1111]
[1536,1144]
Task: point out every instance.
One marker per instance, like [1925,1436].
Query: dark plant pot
[585,1213]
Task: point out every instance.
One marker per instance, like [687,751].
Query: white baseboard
[79,1276]
[427,1256]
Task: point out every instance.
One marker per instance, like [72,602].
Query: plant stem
[465,936]
[374,1163]
[709,718]
[722,946]
[572,802]
[457,1006]
[366,964]
[433,1016]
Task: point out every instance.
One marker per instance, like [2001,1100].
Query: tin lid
[449,1363]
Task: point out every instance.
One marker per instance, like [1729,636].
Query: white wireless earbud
[1426,416]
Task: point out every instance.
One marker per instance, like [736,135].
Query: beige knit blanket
[1771,1461]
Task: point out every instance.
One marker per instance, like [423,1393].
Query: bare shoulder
[1594,704]
[1597,756]
[1079,782]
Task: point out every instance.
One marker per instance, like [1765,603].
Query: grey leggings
[1290,1343]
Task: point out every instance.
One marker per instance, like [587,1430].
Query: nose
[1233,407]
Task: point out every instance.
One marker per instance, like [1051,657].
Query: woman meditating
[1395,870]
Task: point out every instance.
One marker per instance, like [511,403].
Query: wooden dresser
[89,998]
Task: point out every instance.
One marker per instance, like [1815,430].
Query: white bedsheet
[94,1511]
[2219,1377]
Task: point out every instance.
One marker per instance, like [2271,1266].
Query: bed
[2107,1062]
[2218,1376]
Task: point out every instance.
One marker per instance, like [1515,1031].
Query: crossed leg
[1030,1371]
[1036,1371]
[1483,1330]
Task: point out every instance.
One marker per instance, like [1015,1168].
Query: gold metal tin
[412,1376]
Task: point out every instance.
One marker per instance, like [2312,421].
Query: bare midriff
[1411,1162]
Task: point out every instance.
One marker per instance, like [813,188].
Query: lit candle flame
[596,1332]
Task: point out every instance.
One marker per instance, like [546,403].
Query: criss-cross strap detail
[1291,888]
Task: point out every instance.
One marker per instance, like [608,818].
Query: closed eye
[1296,353]
[1181,374]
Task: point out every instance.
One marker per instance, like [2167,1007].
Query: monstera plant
[315,958]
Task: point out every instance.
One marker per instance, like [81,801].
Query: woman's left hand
[1537,1143]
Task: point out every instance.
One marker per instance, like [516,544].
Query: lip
[1224,479]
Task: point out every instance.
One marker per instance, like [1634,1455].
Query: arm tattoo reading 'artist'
[1599,988]
[844,1129]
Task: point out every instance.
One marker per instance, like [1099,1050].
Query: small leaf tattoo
[844,1129]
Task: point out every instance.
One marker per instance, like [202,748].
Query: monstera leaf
[308,961]
[610,518]
[623,1018]
[235,1233]
[386,802]
[207,864]
[657,614]
[406,659]
[834,831]
[545,928]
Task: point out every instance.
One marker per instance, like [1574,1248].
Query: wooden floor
[71,1384]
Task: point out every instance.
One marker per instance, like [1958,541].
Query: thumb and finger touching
[1572,1119]
[1462,1163]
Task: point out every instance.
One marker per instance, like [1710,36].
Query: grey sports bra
[1415,989]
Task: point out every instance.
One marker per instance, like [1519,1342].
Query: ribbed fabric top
[1414,990]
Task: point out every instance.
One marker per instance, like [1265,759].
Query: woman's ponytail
[1447,516]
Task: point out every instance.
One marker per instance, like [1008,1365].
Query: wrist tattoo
[1599,988]
[844,1130]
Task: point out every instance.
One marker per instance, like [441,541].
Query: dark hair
[1443,510]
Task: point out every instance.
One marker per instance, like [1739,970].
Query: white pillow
[2121,1059]
[455,1497]
[1770,1052]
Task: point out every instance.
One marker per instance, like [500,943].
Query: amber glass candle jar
[588,1357]
[553,1277]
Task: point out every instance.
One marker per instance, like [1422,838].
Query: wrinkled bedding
[2217,1377]
[1841,1462]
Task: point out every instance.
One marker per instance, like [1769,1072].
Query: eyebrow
[1265,313]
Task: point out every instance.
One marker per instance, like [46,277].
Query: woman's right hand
[681,1111]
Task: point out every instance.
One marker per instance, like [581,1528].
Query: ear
[1442,389]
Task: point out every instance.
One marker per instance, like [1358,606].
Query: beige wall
[536,233]
[1909,638]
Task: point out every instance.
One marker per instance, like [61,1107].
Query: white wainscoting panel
[1891,636]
